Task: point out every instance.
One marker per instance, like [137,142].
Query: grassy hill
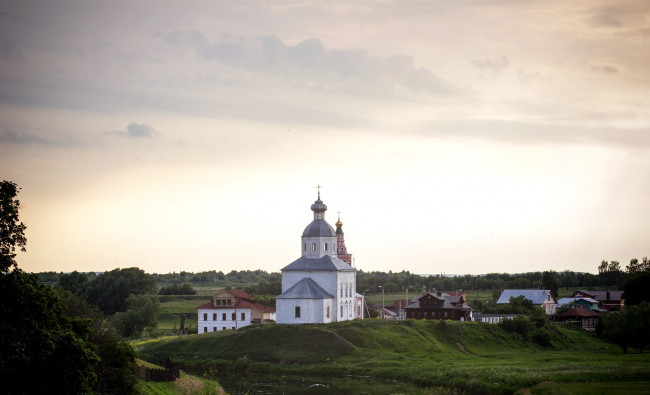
[471,357]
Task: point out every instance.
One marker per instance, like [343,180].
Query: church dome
[319,228]
[318,206]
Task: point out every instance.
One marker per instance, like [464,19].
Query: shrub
[519,325]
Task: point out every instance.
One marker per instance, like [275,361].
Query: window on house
[297,311]
[214,316]
[223,328]
[233,327]
[205,329]
[214,329]
[243,316]
[234,316]
[205,316]
[217,302]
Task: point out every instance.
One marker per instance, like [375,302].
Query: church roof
[325,263]
[305,289]
[319,228]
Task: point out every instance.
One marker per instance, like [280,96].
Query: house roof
[579,312]
[239,304]
[537,296]
[448,302]
[563,301]
[305,289]
[237,293]
[325,263]
[601,295]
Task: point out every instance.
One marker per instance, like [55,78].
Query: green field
[457,356]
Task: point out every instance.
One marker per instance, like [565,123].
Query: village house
[232,309]
[608,300]
[583,317]
[540,297]
[439,306]
[493,318]
[579,301]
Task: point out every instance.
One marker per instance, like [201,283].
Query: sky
[455,137]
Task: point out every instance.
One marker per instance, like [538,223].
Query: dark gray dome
[319,228]
[318,206]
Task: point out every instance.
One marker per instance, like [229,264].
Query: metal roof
[325,263]
[305,289]
[537,296]
[319,228]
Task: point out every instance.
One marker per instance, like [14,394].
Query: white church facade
[319,287]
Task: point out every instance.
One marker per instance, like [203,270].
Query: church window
[233,317]
[305,247]
[328,312]
[325,247]
[341,289]
[297,311]
[341,311]
[313,246]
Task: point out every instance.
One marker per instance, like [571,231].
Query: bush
[519,325]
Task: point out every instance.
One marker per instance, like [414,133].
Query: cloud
[137,131]
[13,138]
[495,66]
[310,63]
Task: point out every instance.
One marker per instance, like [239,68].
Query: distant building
[493,318]
[585,318]
[540,297]
[608,299]
[439,306]
[320,286]
[232,309]
[579,301]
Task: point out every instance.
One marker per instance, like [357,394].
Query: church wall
[347,302]
[314,247]
[311,311]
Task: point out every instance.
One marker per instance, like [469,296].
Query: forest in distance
[610,275]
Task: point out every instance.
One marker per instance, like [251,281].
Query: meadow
[434,355]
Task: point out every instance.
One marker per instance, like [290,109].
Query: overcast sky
[453,136]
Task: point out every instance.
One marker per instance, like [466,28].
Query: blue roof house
[540,297]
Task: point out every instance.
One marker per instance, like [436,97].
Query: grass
[471,357]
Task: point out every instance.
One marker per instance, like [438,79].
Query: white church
[320,286]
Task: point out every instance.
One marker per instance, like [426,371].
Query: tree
[142,313]
[628,327]
[12,231]
[637,267]
[110,290]
[602,268]
[74,282]
[115,369]
[635,289]
[549,280]
[40,342]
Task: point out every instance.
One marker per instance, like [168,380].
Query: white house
[232,309]
[540,297]
[318,287]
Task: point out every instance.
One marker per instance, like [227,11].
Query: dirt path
[461,348]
